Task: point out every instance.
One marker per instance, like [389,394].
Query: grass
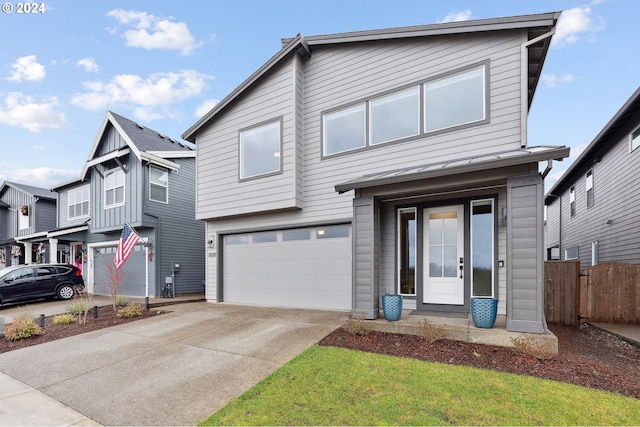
[334,386]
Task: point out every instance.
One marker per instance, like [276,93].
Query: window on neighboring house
[395,116]
[114,188]
[25,215]
[158,184]
[449,102]
[635,139]
[571,253]
[455,100]
[572,200]
[589,186]
[594,252]
[553,253]
[78,202]
[344,130]
[260,150]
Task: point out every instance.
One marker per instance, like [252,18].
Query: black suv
[26,282]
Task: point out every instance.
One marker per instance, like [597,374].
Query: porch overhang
[457,166]
[31,238]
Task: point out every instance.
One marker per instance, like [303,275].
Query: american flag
[128,240]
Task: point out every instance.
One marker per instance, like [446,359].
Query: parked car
[28,282]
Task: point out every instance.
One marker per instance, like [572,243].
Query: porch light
[320,232]
[276,154]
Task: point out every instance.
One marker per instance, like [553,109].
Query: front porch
[463,329]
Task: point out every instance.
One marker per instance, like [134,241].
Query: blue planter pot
[392,306]
[484,311]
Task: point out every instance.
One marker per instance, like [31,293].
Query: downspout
[524,76]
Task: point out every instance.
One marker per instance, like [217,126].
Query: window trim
[151,184]
[492,202]
[572,200]
[484,65]
[416,90]
[79,189]
[241,153]
[124,188]
[566,253]
[589,188]
[635,140]
[399,212]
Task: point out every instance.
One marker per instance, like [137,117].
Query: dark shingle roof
[147,139]
[43,193]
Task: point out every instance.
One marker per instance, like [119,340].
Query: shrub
[131,310]
[24,326]
[78,308]
[431,332]
[64,319]
[121,301]
[527,345]
[356,323]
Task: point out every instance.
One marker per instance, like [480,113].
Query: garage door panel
[134,272]
[305,274]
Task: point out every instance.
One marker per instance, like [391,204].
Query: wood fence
[608,293]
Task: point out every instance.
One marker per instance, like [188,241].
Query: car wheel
[65,292]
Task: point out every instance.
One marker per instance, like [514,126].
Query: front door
[443,243]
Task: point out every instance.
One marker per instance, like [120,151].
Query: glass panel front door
[443,239]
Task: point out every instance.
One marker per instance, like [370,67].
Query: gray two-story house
[388,161]
[591,209]
[136,175]
[26,214]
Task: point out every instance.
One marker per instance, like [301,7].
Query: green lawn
[334,386]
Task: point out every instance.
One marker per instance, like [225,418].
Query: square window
[395,116]
[455,100]
[344,130]
[158,184]
[260,150]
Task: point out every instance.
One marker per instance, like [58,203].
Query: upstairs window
[344,130]
[158,184]
[260,150]
[455,100]
[635,139]
[78,202]
[589,187]
[572,200]
[114,188]
[450,102]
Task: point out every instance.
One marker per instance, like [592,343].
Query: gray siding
[615,198]
[525,304]
[42,211]
[63,207]
[366,255]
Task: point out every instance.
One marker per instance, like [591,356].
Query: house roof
[145,143]
[39,192]
[539,27]
[603,142]
[456,166]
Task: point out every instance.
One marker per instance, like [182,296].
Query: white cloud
[551,80]
[152,32]
[574,24]
[89,65]
[457,16]
[146,95]
[21,110]
[27,68]
[205,107]
[41,177]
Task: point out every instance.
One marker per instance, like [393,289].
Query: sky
[164,64]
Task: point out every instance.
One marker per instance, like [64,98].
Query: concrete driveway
[173,369]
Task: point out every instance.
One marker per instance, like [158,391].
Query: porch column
[28,259]
[365,256]
[525,254]
[53,250]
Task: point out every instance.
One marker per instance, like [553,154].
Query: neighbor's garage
[134,273]
[305,268]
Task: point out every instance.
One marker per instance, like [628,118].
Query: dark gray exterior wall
[616,198]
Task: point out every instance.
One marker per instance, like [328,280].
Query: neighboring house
[351,165]
[26,213]
[592,208]
[137,175]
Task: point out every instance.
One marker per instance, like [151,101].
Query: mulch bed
[587,356]
[106,318]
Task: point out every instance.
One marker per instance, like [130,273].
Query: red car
[28,282]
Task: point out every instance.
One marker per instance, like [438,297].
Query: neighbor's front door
[443,243]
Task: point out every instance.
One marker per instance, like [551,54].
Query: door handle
[461,266]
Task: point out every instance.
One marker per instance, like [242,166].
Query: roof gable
[32,191]
[540,27]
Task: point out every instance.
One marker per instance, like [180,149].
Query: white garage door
[305,268]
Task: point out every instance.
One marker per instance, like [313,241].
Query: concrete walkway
[173,369]
[629,333]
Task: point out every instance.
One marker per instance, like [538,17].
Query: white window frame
[634,139]
[589,187]
[24,221]
[254,130]
[594,252]
[572,200]
[158,184]
[114,187]
[79,200]
[566,253]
